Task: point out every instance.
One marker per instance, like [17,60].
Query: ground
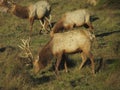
[16,75]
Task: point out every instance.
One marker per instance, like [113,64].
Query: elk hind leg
[65,63]
[90,55]
[84,58]
[31,24]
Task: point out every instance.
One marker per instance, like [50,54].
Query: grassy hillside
[16,75]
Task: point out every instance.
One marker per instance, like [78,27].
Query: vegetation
[15,74]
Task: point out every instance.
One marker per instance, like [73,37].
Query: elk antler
[49,20]
[25,46]
[43,25]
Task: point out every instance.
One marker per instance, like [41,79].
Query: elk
[62,44]
[38,11]
[72,19]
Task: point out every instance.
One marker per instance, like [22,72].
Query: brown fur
[21,11]
[45,56]
[77,41]
[58,26]
[73,19]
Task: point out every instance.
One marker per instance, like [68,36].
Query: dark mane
[21,11]
[58,26]
[45,54]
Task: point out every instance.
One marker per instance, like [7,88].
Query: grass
[16,75]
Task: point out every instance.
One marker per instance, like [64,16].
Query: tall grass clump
[13,73]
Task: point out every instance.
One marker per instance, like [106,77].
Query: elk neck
[20,11]
[58,26]
[46,54]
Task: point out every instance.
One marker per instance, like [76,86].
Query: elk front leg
[59,57]
[31,24]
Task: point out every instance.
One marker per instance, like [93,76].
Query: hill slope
[15,75]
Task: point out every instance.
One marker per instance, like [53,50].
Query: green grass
[16,75]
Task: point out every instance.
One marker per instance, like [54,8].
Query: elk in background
[60,45]
[38,11]
[72,19]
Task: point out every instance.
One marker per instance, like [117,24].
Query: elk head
[36,65]
[26,51]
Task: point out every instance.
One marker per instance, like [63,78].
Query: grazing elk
[38,11]
[61,44]
[71,19]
